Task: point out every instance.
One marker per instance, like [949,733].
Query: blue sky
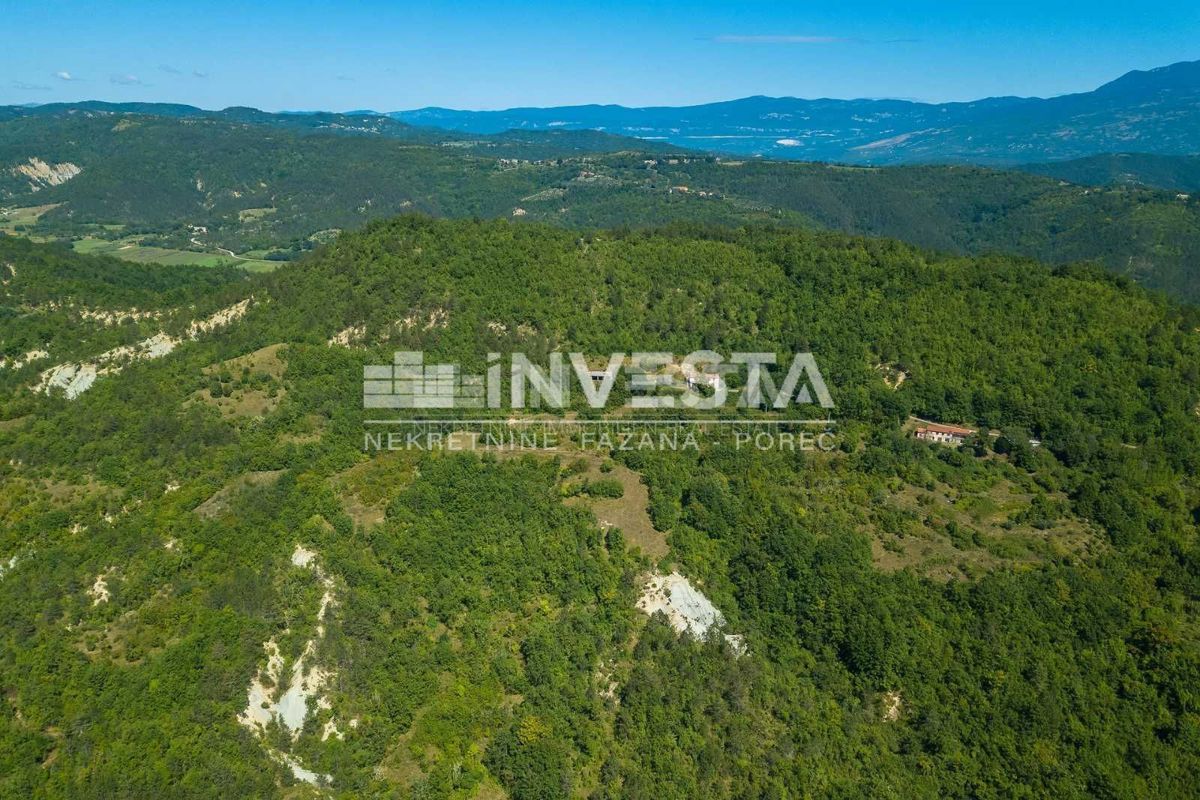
[397,55]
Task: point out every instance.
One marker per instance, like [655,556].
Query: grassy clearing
[221,502]
[14,423]
[948,534]
[247,386]
[19,221]
[629,512]
[12,218]
[250,214]
[131,249]
[366,488]
[265,360]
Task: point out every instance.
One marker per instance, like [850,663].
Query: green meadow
[132,250]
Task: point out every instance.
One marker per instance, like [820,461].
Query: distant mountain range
[1157,111]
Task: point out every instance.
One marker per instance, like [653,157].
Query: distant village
[588,175]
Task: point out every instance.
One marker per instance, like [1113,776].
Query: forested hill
[1177,173]
[862,301]
[57,306]
[35,274]
[1156,111]
[141,179]
[913,621]
[551,142]
[1150,236]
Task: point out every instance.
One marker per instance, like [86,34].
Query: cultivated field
[132,250]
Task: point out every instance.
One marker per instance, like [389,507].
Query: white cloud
[63,75]
[127,80]
[30,87]
[776,39]
[789,39]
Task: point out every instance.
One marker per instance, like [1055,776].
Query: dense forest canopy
[993,620]
[1176,173]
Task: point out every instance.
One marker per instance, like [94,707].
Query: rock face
[73,379]
[306,681]
[99,590]
[685,607]
[22,360]
[893,704]
[41,174]
[683,604]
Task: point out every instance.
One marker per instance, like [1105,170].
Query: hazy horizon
[384,111]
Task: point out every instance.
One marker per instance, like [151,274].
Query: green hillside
[1177,173]
[995,620]
[210,190]
[1148,235]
